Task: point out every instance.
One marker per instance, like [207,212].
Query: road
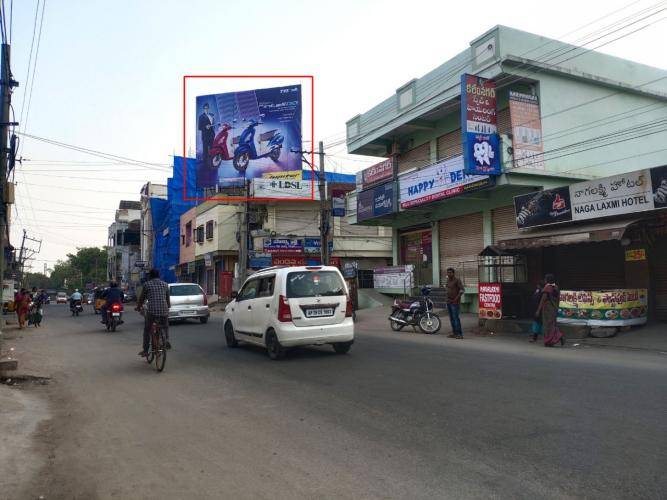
[401,416]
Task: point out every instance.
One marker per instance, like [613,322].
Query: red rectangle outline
[243,198]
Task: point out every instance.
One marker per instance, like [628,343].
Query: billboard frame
[234,199]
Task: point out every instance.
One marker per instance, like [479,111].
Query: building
[561,115]
[124,244]
[148,191]
[186,261]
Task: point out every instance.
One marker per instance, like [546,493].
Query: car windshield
[181,290]
[62,294]
[314,284]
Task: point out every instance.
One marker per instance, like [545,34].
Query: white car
[188,300]
[282,307]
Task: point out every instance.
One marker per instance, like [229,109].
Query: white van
[282,307]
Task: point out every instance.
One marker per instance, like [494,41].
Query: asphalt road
[401,416]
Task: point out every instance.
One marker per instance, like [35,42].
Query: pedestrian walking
[22,301]
[455,291]
[547,311]
[536,327]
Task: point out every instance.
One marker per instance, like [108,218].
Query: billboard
[283,189]
[542,208]
[376,202]
[479,125]
[527,146]
[441,180]
[245,135]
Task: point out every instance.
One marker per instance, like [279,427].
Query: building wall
[225,226]
[187,251]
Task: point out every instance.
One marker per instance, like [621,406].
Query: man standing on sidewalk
[455,291]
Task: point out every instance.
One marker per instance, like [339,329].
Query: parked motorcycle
[246,149]
[76,308]
[418,313]
[114,316]
[219,151]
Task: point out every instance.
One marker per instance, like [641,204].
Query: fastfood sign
[442,180]
[607,308]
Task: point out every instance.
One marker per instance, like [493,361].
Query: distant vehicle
[61,298]
[188,300]
[130,296]
[90,297]
[283,307]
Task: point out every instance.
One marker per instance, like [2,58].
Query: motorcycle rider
[112,295]
[74,297]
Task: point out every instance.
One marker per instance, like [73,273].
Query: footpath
[650,337]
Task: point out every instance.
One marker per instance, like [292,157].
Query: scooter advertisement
[247,134]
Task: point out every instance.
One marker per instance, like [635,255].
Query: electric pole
[7,82]
[324,210]
[243,238]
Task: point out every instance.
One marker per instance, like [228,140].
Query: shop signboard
[621,194]
[338,202]
[490,300]
[615,195]
[399,277]
[621,307]
[635,254]
[543,207]
[314,245]
[289,246]
[208,261]
[378,173]
[260,260]
[350,269]
[481,152]
[375,202]
[439,181]
[244,135]
[527,145]
[284,188]
[290,175]
[284,260]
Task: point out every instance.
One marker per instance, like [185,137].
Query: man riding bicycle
[156,292]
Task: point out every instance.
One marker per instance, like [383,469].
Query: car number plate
[187,313]
[318,313]
[115,314]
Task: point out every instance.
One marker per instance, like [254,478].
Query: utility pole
[324,210]
[7,82]
[243,238]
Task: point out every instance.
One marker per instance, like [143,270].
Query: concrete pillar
[435,249]
[434,149]
[394,246]
[487,225]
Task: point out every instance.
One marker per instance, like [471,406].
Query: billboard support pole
[324,212]
[243,240]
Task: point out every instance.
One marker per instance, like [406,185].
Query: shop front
[416,250]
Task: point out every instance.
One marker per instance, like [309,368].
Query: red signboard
[490,300]
[377,173]
[480,103]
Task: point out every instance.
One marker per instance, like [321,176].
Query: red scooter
[218,152]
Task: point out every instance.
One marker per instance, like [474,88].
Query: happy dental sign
[441,180]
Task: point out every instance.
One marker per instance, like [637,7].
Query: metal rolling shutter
[461,240]
[504,224]
[449,145]
[504,122]
[659,279]
[587,266]
[416,157]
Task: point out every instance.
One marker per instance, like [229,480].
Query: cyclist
[156,293]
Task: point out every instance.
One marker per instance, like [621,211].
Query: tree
[39,280]
[88,265]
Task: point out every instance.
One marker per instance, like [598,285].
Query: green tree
[39,280]
[87,265]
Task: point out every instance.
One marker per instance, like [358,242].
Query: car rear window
[314,283]
[181,290]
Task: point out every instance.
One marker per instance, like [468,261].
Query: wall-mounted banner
[526,122]
[283,246]
[636,254]
[376,201]
[481,152]
[441,180]
[607,308]
[281,188]
[632,192]
[380,172]
[542,208]
[338,202]
[243,135]
[314,245]
[398,277]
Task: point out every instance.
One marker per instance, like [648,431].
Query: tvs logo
[558,203]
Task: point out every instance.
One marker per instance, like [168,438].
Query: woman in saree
[547,311]
[22,301]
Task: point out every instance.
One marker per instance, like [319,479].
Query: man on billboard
[205,126]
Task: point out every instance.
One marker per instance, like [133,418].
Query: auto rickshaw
[98,299]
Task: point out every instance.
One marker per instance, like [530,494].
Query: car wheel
[273,347]
[203,319]
[230,338]
[342,347]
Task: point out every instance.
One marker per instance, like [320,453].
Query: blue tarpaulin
[329,176]
[167,218]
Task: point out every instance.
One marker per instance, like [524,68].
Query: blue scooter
[246,150]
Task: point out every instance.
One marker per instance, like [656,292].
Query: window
[183,290]
[314,284]
[266,286]
[188,234]
[353,127]
[249,290]
[200,234]
[406,95]
[209,230]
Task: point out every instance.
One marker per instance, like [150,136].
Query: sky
[109,78]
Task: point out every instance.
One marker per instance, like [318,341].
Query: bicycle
[158,347]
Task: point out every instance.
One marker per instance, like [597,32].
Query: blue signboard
[283,246]
[314,245]
[375,202]
[482,154]
[260,260]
